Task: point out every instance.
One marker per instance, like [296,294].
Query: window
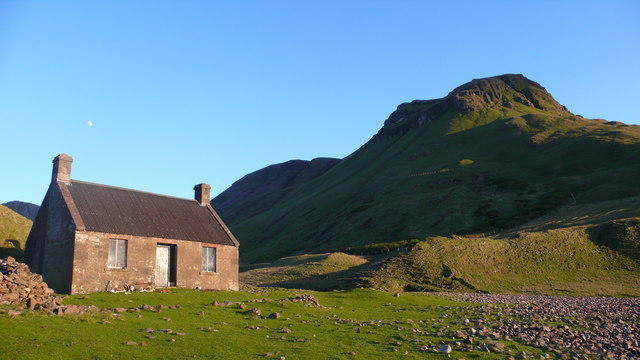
[117,254]
[209,259]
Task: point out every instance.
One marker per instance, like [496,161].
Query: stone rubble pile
[19,286]
[308,300]
[26,291]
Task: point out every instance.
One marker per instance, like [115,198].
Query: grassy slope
[317,272]
[14,229]
[324,333]
[525,163]
[257,192]
[556,262]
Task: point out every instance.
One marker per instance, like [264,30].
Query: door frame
[173,262]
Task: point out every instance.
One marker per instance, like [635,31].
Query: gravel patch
[572,327]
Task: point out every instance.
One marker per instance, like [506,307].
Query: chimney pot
[203,194]
[62,168]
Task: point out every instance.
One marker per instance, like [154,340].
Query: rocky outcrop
[503,91]
[506,91]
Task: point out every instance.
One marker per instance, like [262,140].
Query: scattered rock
[460,335]
[275,315]
[445,349]
[307,299]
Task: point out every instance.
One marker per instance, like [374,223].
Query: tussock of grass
[621,235]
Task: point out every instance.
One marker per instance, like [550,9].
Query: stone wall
[49,248]
[91,274]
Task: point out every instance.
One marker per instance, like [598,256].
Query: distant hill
[25,209]
[260,190]
[495,155]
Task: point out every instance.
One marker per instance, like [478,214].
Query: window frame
[118,258]
[206,266]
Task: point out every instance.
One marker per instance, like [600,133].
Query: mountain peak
[506,93]
[503,90]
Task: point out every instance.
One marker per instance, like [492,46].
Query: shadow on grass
[338,280]
[15,253]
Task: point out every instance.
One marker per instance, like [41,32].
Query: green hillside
[494,154]
[569,261]
[259,191]
[14,229]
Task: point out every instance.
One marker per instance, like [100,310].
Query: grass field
[390,327]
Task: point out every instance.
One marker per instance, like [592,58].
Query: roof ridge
[127,189]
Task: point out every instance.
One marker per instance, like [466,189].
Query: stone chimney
[203,194]
[62,168]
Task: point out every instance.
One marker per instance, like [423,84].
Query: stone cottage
[90,237]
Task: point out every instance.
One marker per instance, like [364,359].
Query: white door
[162,266]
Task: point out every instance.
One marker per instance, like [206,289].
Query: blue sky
[183,92]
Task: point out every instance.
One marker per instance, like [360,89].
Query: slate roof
[116,210]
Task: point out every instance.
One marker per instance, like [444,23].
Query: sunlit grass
[389,327]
